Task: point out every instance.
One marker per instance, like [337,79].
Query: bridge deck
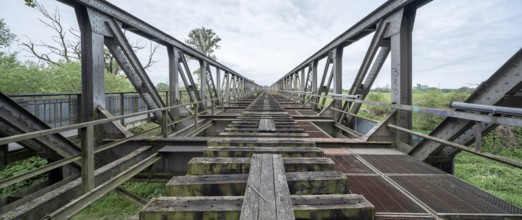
[397,185]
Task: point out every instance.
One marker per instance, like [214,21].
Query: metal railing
[88,150]
[60,109]
[478,118]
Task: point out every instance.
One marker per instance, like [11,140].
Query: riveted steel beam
[500,89]
[362,28]
[139,27]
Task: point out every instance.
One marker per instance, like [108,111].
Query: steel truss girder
[360,29]
[308,88]
[139,27]
[500,89]
[322,87]
[188,80]
[122,51]
[212,88]
[14,119]
[364,88]
[358,86]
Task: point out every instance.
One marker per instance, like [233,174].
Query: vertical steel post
[93,94]
[173,54]
[338,78]
[302,85]
[122,107]
[478,136]
[401,72]
[196,116]
[164,127]
[87,152]
[203,82]
[314,82]
[4,152]
[218,82]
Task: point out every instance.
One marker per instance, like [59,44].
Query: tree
[30,77]
[204,40]
[162,87]
[66,43]
[6,37]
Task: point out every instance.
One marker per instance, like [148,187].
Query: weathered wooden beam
[238,165]
[266,124]
[249,151]
[299,183]
[329,207]
[267,195]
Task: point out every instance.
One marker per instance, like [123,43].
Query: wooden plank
[328,207]
[282,193]
[261,142]
[299,183]
[293,129]
[265,198]
[249,208]
[241,165]
[267,195]
[248,151]
[239,134]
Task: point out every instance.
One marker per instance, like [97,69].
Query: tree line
[56,65]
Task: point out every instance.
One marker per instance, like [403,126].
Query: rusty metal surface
[399,164]
[402,218]
[312,130]
[382,195]
[349,164]
[447,194]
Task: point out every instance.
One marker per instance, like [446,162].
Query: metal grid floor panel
[382,195]
[447,194]
[400,164]
[349,164]
[312,130]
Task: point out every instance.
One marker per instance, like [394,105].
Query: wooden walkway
[252,172]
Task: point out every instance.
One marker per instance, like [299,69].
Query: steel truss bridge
[231,149]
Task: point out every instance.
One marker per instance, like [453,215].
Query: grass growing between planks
[114,206]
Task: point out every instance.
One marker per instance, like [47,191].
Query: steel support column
[93,92]
[314,81]
[203,82]
[4,151]
[401,71]
[218,83]
[173,54]
[338,77]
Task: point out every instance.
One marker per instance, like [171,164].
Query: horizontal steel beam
[137,26]
[486,108]
[360,29]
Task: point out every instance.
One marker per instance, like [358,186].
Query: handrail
[459,146]
[514,122]
[71,159]
[65,161]
[35,134]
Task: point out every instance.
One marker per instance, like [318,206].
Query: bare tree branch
[152,51]
[66,44]
[30,46]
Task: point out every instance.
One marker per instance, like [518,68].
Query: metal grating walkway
[401,187]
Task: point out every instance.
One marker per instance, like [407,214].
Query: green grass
[113,206]
[18,168]
[498,179]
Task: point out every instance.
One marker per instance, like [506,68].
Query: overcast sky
[455,42]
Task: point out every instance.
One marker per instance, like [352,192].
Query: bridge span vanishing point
[233,149]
